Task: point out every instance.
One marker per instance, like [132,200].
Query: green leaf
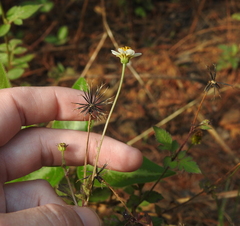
[129,190]
[28,10]
[81,84]
[164,138]
[188,165]
[15,73]
[47,6]
[157,221]
[133,200]
[181,154]
[3,47]
[21,12]
[175,146]
[23,59]
[13,13]
[148,172]
[153,197]
[3,58]
[4,81]
[167,162]
[51,174]
[14,42]
[100,195]
[18,22]
[19,50]
[51,39]
[4,29]
[62,33]
[74,125]
[236,16]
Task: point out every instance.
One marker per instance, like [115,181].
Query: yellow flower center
[125,48]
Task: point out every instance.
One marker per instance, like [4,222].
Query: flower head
[125,54]
[94,102]
[212,83]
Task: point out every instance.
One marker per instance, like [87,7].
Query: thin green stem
[192,129]
[108,120]
[199,107]
[87,143]
[5,38]
[67,178]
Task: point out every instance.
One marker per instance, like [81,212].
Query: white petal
[115,52]
[130,52]
[120,50]
[137,54]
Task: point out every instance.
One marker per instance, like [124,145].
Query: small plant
[229,57]
[59,39]
[11,52]
[141,7]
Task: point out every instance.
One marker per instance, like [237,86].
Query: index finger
[29,105]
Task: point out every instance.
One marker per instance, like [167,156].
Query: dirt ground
[178,39]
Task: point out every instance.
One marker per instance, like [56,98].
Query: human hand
[24,151]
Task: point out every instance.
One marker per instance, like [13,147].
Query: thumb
[51,215]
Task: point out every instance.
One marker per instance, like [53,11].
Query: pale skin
[24,151]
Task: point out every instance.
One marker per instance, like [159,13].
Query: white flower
[125,54]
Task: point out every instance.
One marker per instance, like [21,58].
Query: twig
[80,25]
[220,141]
[44,35]
[111,36]
[94,55]
[162,122]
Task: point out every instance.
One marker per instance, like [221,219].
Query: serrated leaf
[164,138]
[181,154]
[51,174]
[153,197]
[4,81]
[174,146]
[15,73]
[148,172]
[166,161]
[133,200]
[188,165]
[4,29]
[173,164]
